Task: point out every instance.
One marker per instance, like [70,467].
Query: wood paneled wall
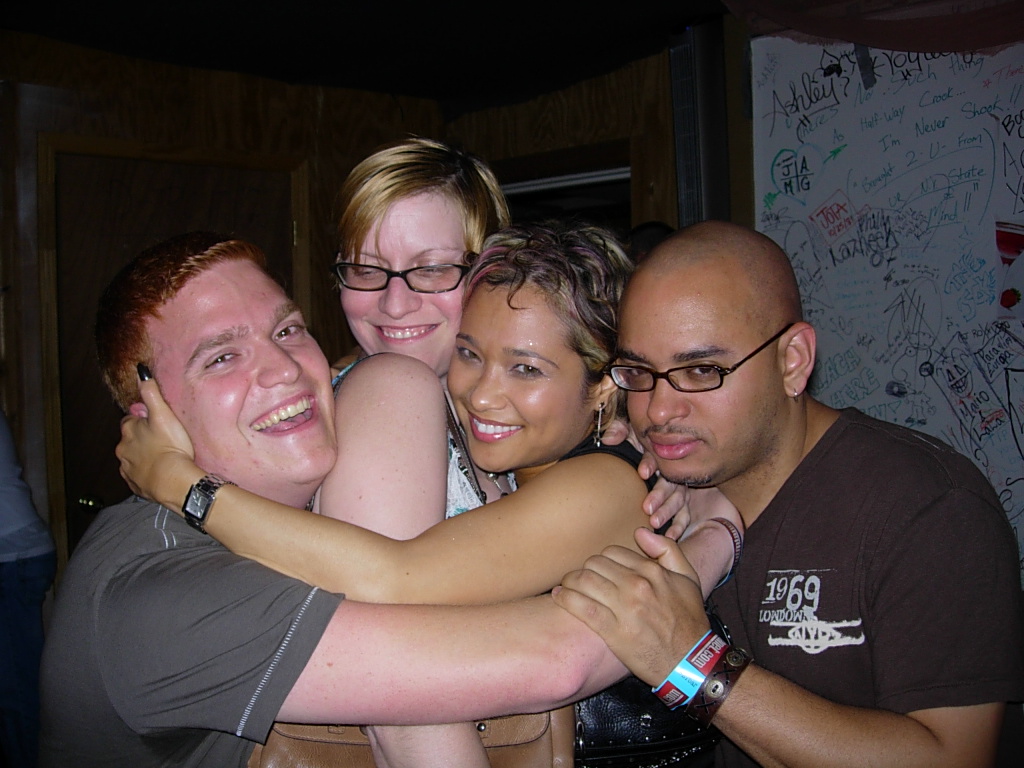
[632,104]
[189,110]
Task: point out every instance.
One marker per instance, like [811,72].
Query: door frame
[50,145]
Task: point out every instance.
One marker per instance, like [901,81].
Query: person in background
[27,565]
[643,237]
[875,618]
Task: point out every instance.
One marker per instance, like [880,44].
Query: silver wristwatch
[199,500]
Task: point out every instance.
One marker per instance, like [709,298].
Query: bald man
[877,604]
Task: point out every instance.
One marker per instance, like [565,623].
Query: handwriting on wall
[895,182]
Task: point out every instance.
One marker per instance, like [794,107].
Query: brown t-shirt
[884,574]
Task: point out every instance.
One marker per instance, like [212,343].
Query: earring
[597,434]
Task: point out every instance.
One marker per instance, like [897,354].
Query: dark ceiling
[466,59]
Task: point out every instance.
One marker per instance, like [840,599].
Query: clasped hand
[649,610]
[154,446]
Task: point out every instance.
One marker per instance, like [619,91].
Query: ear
[602,391]
[798,358]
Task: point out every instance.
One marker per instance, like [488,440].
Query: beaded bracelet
[691,673]
[703,706]
[737,546]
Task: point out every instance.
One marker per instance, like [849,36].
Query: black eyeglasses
[702,377]
[432,278]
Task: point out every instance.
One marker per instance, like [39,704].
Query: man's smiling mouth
[301,407]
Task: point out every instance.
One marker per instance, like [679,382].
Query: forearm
[710,549]
[169,481]
[404,665]
[436,567]
[779,723]
[327,553]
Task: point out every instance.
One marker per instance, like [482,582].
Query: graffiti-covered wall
[885,176]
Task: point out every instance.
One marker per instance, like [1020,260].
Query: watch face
[198,503]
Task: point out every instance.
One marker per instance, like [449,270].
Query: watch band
[716,687]
[199,500]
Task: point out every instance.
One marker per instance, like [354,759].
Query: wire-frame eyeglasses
[702,377]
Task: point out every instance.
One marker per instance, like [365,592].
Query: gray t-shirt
[168,650]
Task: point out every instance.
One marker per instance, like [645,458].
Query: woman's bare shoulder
[391,372]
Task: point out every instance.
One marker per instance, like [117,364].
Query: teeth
[403,333]
[284,413]
[493,429]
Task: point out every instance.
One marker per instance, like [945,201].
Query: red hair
[138,292]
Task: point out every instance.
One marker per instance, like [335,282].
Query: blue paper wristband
[685,680]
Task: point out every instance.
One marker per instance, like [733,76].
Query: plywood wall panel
[633,103]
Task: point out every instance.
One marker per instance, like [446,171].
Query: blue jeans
[23,586]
